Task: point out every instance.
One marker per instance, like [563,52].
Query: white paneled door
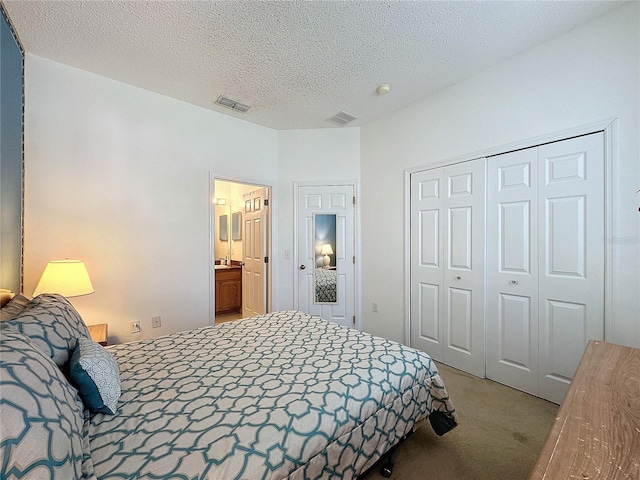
[447,264]
[545,262]
[326,217]
[254,253]
[512,269]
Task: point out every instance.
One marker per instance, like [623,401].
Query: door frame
[272,265]
[357,287]
[609,129]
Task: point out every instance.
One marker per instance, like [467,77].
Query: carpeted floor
[499,436]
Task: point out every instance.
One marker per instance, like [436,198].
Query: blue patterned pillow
[94,372]
[41,432]
[53,325]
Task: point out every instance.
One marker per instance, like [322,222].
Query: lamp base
[326,260]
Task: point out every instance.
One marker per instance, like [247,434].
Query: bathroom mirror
[224,235]
[236,226]
[325,273]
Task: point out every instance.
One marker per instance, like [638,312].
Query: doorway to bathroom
[240,245]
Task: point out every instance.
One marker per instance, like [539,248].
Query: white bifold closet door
[447,264]
[545,262]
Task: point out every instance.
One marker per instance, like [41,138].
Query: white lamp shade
[326,249]
[68,278]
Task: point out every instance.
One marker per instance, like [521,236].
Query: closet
[507,254]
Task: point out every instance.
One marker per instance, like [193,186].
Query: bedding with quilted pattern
[326,282]
[280,396]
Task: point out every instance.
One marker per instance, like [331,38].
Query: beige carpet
[499,436]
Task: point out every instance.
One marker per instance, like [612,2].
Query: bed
[326,281]
[284,395]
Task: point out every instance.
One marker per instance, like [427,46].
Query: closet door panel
[571,186]
[459,320]
[459,302]
[429,262]
[463,274]
[545,262]
[566,324]
[427,318]
[447,264]
[460,237]
[512,270]
[514,225]
[514,317]
[429,240]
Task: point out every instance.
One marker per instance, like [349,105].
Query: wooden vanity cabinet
[228,287]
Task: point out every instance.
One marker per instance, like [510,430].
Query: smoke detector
[383,88]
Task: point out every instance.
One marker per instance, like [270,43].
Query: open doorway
[240,246]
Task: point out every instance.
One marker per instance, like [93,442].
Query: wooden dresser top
[597,432]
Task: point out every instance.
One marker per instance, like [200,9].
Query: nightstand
[99,333]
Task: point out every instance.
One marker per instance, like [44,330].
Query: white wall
[119,177]
[585,76]
[324,155]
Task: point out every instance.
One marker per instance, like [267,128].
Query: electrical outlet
[374,307]
[135,326]
[156,321]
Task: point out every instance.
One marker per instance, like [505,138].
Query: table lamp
[68,278]
[326,251]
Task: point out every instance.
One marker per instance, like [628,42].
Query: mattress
[283,395]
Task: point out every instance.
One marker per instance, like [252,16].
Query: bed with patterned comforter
[280,396]
[326,282]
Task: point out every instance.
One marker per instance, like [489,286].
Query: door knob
[302,267]
[513,282]
[458,277]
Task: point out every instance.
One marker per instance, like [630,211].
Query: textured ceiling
[295,63]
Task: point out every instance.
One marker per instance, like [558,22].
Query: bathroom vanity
[228,286]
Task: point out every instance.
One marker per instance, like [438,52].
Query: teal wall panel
[11,158]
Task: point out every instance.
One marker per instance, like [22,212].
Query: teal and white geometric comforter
[284,395]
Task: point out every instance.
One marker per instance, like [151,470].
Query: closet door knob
[513,282]
[458,277]
[302,267]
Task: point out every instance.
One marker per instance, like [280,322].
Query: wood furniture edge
[99,333]
[598,357]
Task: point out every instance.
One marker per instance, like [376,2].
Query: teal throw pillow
[94,372]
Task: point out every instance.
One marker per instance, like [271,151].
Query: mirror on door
[325,273]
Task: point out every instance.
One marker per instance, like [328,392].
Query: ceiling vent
[232,104]
[341,119]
